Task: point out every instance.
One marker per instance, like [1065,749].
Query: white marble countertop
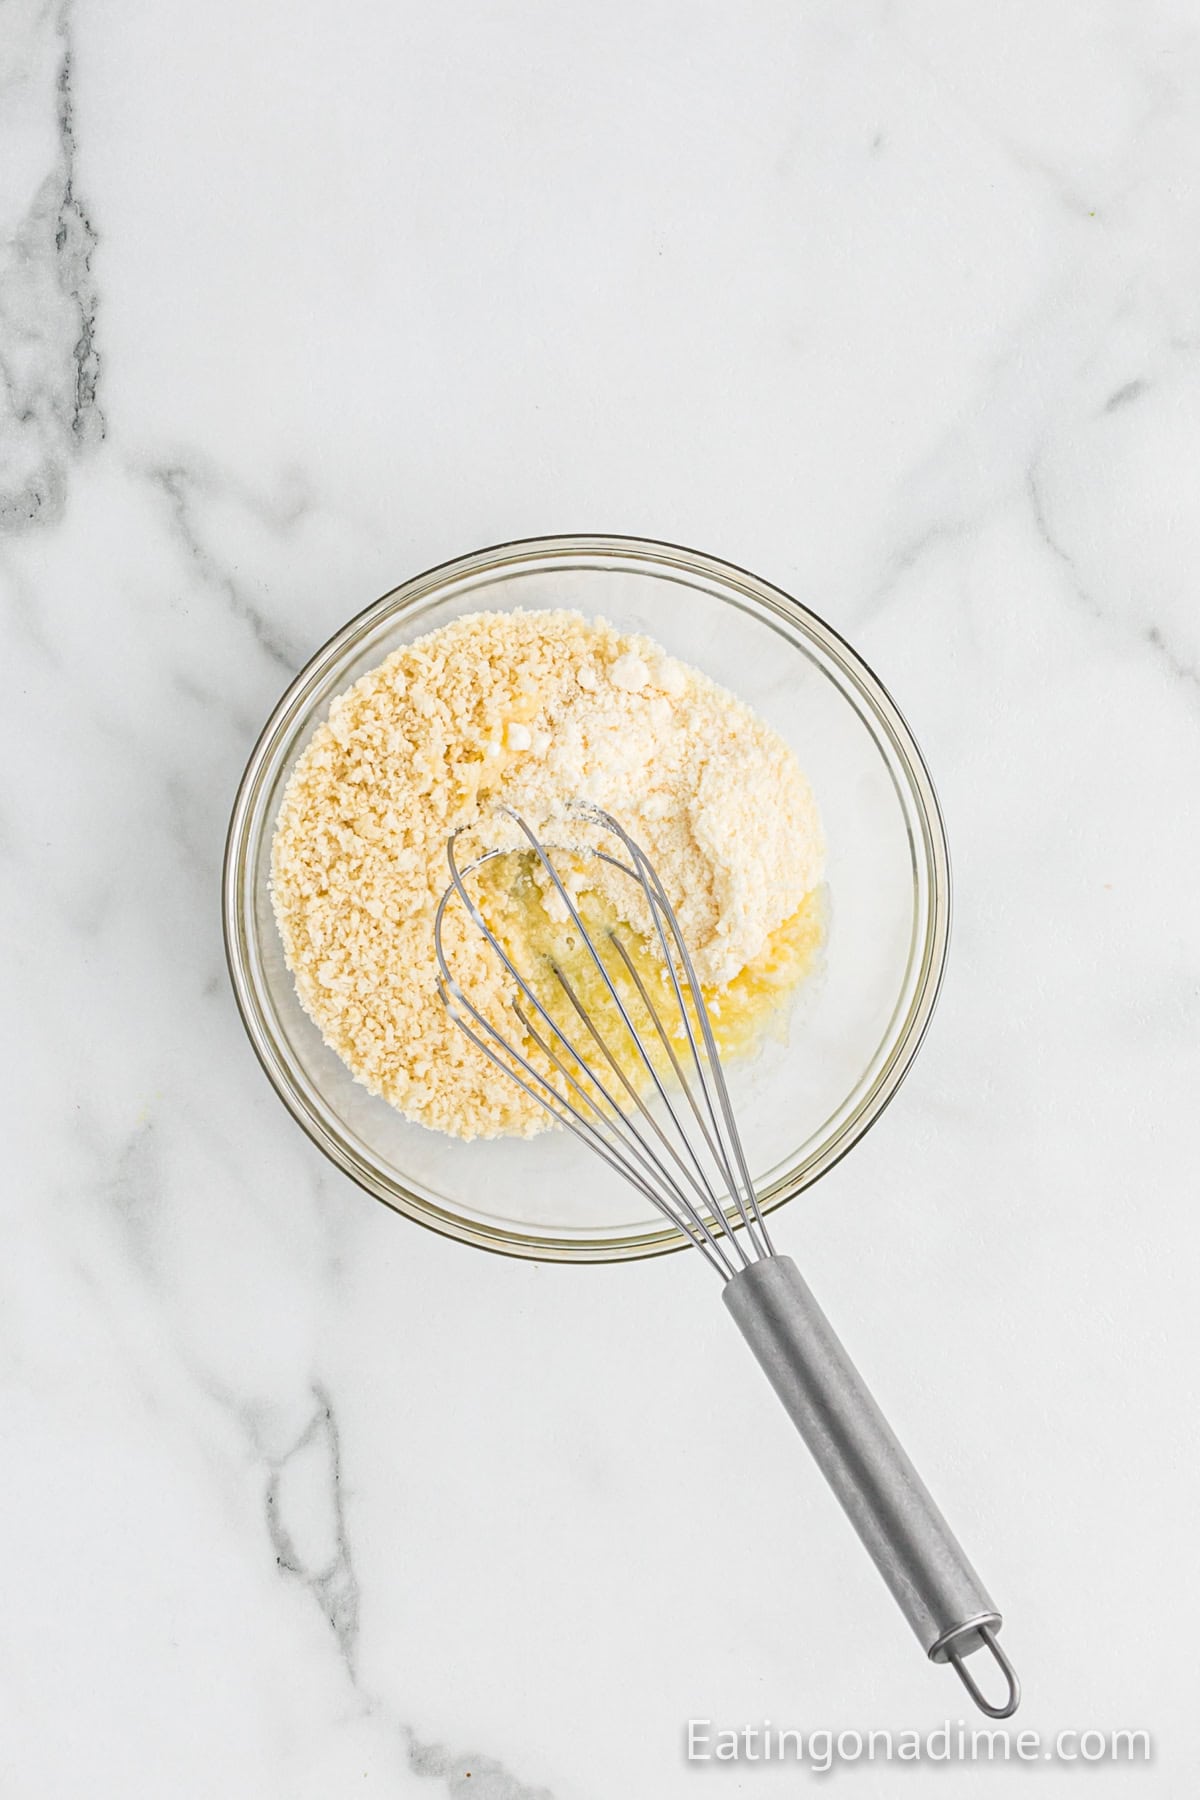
[898,305]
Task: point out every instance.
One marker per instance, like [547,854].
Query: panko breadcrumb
[532,711]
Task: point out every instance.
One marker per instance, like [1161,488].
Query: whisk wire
[451,995]
[685,1087]
[665,920]
[643,1153]
[635,1037]
[477,919]
[699,1181]
[581,1099]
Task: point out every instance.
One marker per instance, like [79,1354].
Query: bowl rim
[544,1247]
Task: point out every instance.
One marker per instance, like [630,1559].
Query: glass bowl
[857,1021]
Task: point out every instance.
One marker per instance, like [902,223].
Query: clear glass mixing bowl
[857,1021]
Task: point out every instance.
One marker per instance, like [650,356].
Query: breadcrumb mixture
[530,710]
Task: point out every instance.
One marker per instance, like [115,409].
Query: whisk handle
[888,1504]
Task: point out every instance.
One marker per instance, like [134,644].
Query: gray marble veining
[897,304]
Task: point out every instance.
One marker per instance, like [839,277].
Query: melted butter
[513,895]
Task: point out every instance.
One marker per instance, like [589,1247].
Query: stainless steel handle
[888,1504]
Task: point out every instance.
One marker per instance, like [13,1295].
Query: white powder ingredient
[530,710]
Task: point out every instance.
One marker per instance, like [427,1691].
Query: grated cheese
[531,710]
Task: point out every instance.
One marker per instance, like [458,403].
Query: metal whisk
[639,1081]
